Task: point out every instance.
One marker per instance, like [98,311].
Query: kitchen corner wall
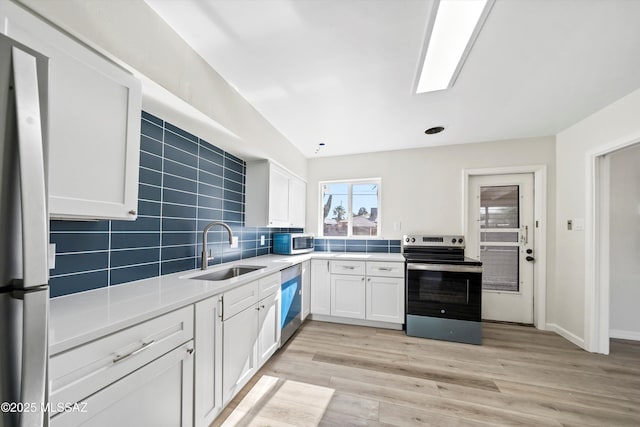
[185,182]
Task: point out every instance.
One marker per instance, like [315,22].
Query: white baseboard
[570,336]
[357,322]
[624,335]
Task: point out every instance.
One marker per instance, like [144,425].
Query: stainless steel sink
[228,273]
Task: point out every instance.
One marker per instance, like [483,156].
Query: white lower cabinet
[371,290]
[158,394]
[306,289]
[385,299]
[348,296]
[141,375]
[268,327]
[250,332]
[208,361]
[240,351]
[320,287]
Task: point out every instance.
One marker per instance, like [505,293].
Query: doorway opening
[612,216]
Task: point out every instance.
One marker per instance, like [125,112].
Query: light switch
[569,224]
[261,240]
[52,256]
[234,243]
[397,226]
[578,224]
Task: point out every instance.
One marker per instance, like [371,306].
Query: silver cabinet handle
[132,212]
[145,345]
[349,267]
[385,268]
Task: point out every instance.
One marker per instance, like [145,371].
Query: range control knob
[453,240]
[406,240]
[413,240]
[460,241]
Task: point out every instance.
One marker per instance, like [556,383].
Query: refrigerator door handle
[35,232]
[33,196]
[34,356]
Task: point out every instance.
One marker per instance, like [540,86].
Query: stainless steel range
[443,289]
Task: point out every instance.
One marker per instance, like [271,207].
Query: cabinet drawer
[270,284]
[348,267]
[160,393]
[236,300]
[81,371]
[385,269]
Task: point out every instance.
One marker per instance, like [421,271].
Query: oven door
[442,290]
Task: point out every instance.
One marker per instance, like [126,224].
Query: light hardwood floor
[518,376]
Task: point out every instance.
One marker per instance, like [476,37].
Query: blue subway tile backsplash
[355,245]
[185,182]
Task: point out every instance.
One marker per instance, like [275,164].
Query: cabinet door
[385,299]
[320,287]
[278,197]
[94,124]
[208,361]
[348,296]
[239,351]
[158,394]
[268,327]
[297,202]
[306,289]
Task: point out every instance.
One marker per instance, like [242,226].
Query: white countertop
[78,318]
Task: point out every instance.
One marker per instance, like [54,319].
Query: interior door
[501,230]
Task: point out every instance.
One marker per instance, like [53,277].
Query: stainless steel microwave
[292,243]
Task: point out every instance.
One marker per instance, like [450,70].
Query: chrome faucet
[205,257]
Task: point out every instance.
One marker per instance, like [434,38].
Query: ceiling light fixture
[320,147]
[452,30]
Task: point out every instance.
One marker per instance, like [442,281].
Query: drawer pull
[145,345]
[349,267]
[384,268]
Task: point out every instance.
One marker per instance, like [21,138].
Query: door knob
[529,258]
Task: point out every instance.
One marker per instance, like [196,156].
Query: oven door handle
[445,267]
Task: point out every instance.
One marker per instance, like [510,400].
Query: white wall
[624,204]
[614,122]
[423,188]
[130,32]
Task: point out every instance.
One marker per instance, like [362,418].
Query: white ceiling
[342,72]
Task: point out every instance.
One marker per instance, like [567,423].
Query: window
[350,208]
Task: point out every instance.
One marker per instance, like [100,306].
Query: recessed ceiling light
[454,27]
[319,147]
[435,129]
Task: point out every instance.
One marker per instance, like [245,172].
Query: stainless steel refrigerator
[24,236]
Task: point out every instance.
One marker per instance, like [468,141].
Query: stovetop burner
[436,250]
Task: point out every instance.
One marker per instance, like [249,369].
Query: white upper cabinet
[94,123]
[274,197]
[297,202]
